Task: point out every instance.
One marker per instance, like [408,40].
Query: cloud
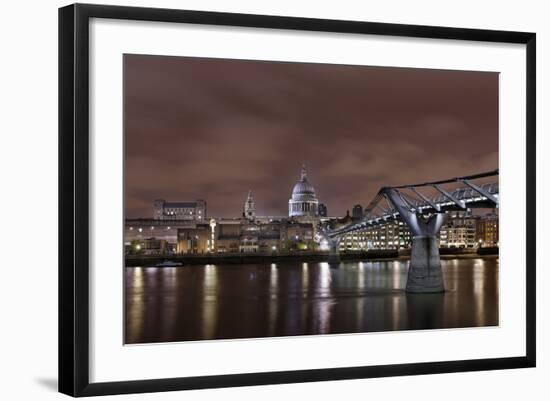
[213,129]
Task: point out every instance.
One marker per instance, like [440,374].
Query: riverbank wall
[371,255]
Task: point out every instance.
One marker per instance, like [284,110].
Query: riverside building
[195,210]
[487,230]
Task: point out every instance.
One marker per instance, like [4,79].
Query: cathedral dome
[303,201]
[303,187]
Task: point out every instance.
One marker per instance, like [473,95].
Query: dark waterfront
[295,298]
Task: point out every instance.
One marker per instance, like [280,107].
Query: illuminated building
[270,237]
[228,235]
[195,238]
[195,211]
[147,247]
[459,231]
[392,235]
[257,237]
[322,209]
[487,230]
[139,229]
[243,236]
[249,241]
[298,236]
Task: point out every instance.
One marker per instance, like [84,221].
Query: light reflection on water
[135,302]
[229,301]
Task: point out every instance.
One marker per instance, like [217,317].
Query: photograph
[268,198]
[266,201]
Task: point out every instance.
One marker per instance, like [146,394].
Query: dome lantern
[303,175]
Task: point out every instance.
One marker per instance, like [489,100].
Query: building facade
[459,230]
[357,212]
[391,235]
[139,229]
[298,236]
[195,211]
[281,234]
[228,236]
[194,239]
[487,230]
[244,236]
[148,247]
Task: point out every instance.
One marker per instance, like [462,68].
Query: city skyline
[190,134]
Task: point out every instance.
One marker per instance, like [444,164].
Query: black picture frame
[74,200]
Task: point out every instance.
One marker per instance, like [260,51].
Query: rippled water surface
[287,299]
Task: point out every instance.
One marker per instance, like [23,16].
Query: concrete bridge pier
[425,275]
[334,252]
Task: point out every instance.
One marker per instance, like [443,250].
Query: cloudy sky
[213,129]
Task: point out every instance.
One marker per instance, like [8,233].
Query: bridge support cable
[435,206]
[412,207]
[449,196]
[425,275]
[390,206]
[384,211]
[413,200]
[370,216]
[482,192]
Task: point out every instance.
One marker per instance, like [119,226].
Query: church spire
[249,209]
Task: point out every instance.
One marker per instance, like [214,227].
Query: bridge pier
[425,275]
[334,252]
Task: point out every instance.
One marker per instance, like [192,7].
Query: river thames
[164,304]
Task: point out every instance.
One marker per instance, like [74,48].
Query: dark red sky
[213,129]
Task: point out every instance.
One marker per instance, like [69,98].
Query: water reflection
[135,303]
[305,279]
[228,301]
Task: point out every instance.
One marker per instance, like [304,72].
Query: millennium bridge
[423,208]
